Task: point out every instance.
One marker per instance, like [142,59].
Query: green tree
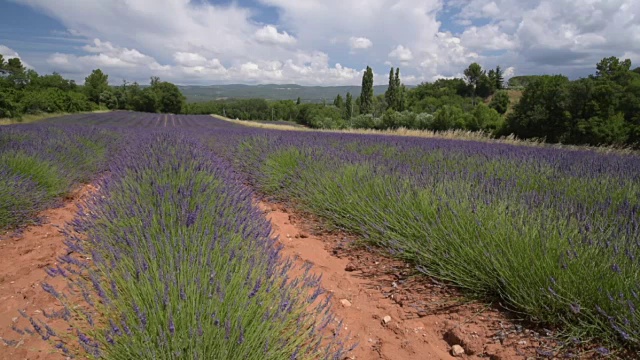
[168,97]
[599,131]
[379,105]
[500,102]
[449,117]
[366,96]
[2,63]
[473,75]
[485,87]
[109,99]
[499,78]
[139,99]
[401,101]
[298,101]
[95,84]
[15,66]
[521,81]
[543,110]
[612,68]
[483,118]
[155,80]
[399,98]
[392,91]
[349,107]
[338,102]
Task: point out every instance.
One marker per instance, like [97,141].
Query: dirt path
[392,314]
[24,258]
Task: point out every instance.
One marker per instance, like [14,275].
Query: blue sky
[315,42]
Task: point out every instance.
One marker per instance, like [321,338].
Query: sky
[315,42]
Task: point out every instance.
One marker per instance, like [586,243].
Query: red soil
[426,318]
[25,256]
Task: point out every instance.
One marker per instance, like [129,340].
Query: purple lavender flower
[575,308]
[172,327]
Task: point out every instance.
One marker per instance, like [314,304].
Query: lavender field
[182,264]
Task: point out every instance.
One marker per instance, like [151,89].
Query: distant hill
[314,94]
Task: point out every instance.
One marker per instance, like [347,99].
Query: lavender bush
[551,233]
[182,265]
[41,163]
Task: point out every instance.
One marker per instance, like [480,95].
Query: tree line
[601,109]
[23,91]
[442,105]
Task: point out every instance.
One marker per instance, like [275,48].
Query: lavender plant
[182,265]
[39,164]
[554,234]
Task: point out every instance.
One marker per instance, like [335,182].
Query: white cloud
[190,41]
[190,59]
[269,34]
[108,57]
[488,37]
[402,54]
[356,43]
[554,35]
[9,53]
[490,9]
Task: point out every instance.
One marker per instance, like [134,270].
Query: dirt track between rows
[424,318]
[25,256]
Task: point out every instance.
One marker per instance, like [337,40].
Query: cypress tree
[499,78]
[391,93]
[338,102]
[366,96]
[349,107]
[399,94]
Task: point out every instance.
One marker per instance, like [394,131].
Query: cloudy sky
[315,42]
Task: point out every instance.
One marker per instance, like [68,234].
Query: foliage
[363,122]
[599,110]
[95,85]
[338,102]
[541,110]
[450,117]
[366,96]
[395,94]
[348,111]
[500,102]
[26,92]
[483,118]
[496,77]
[518,82]
[168,97]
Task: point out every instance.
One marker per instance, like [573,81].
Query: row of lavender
[41,163]
[171,259]
[551,233]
